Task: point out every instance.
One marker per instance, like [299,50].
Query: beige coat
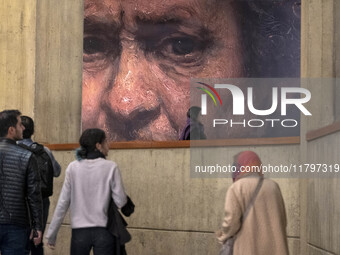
[264,229]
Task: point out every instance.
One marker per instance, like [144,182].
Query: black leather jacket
[20,194]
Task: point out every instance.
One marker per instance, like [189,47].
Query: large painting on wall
[140,55]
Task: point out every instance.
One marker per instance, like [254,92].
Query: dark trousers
[39,250]
[98,238]
[13,239]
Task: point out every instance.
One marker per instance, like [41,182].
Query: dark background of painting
[272,35]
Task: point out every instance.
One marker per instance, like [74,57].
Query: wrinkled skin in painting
[139,56]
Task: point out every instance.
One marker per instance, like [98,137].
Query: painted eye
[182,46]
[93,45]
[182,50]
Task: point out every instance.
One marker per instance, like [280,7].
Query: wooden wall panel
[323,217]
[328,38]
[337,58]
[17,55]
[317,59]
[59,70]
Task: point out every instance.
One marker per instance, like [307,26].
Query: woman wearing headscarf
[254,212]
[91,182]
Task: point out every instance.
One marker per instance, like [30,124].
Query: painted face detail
[139,57]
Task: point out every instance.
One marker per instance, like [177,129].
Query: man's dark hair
[8,118]
[28,123]
[89,139]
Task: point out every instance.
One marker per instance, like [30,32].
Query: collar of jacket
[95,154]
[26,141]
[7,140]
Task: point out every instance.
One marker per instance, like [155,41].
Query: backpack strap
[25,146]
[34,147]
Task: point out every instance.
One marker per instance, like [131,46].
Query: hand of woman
[51,246]
[218,233]
[220,236]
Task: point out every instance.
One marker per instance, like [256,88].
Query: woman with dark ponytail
[91,182]
[88,144]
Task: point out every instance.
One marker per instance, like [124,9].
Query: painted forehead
[132,10]
[103,11]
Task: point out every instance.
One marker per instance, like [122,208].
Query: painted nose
[133,99]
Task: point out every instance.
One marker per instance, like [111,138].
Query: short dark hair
[28,123]
[8,118]
[88,140]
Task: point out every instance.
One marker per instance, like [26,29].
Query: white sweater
[87,189]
